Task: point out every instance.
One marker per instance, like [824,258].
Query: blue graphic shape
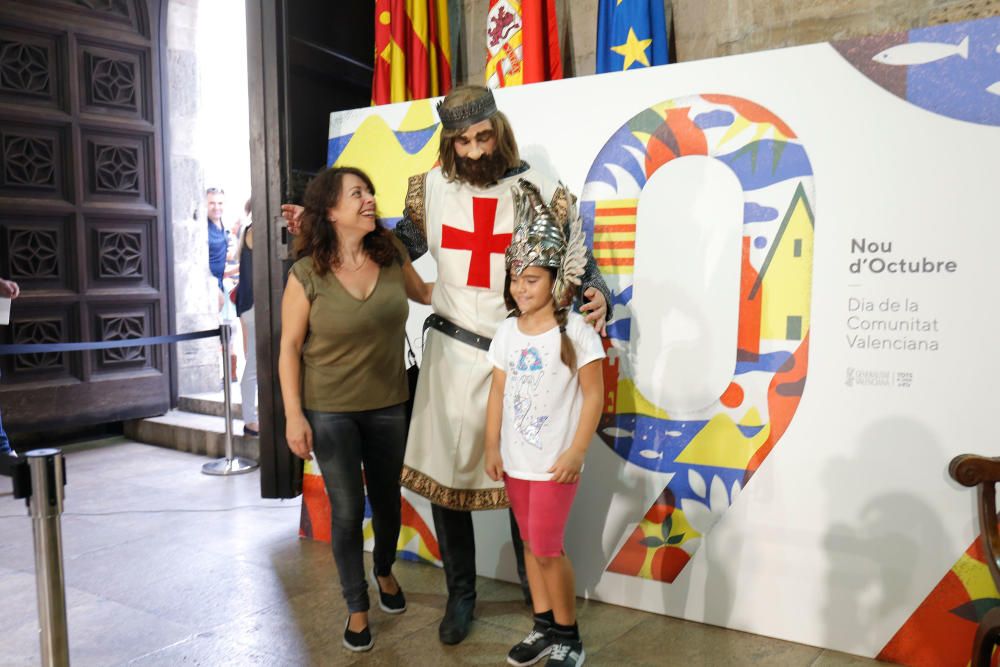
[766,162]
[621,298]
[335,146]
[588,210]
[717,118]
[756,213]
[680,484]
[620,329]
[614,153]
[648,442]
[957,87]
[415,140]
[760,242]
[769,363]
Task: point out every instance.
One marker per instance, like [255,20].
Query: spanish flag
[412,50]
[522,43]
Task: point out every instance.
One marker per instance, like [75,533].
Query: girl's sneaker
[530,650]
[566,653]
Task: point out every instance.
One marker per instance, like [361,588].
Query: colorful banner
[522,43]
[412,50]
[631,34]
[799,250]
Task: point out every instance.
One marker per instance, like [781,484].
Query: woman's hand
[494,464]
[299,435]
[567,467]
[292,213]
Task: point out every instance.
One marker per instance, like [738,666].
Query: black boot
[518,543]
[458,552]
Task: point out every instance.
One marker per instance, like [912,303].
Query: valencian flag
[522,43]
[630,34]
[412,50]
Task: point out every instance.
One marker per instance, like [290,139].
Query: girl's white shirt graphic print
[542,398]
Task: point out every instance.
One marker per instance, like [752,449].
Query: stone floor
[166,566]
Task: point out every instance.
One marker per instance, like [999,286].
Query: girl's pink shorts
[541,510]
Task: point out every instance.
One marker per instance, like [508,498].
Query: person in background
[10,290]
[244,310]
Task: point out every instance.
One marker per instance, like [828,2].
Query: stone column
[194,290]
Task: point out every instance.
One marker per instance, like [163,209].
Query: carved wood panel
[81,209]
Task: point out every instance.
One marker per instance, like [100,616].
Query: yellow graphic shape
[721,444]
[752,418]
[975,576]
[631,401]
[787,274]
[419,116]
[410,541]
[633,50]
[375,149]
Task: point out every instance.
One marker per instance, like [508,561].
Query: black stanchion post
[46,503]
[231,465]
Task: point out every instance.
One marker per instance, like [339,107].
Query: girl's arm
[294,324]
[494,415]
[416,288]
[567,467]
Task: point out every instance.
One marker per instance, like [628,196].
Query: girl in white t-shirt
[544,405]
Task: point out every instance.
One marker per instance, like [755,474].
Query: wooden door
[82,209]
[307,58]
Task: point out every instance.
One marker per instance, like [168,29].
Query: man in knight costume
[462,212]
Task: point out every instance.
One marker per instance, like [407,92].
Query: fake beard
[485,171]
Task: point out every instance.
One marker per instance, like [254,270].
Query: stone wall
[194,292]
[710,28]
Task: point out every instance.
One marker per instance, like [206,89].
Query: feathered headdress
[550,236]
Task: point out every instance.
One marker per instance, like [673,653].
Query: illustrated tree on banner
[522,43]
[631,34]
[412,50]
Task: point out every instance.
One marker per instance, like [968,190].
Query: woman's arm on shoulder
[416,288]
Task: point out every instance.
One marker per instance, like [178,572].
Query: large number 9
[711,450]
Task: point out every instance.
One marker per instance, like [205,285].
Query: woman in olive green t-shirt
[343,377]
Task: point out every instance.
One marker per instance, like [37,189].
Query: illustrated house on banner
[784,307]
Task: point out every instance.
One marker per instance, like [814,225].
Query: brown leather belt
[458,333]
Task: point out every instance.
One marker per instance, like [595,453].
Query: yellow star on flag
[633,50]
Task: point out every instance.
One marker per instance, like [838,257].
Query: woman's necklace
[357,268]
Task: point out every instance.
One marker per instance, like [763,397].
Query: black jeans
[344,442]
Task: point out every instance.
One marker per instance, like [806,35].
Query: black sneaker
[357,641]
[530,650]
[566,653]
[390,604]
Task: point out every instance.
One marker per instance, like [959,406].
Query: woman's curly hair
[317,238]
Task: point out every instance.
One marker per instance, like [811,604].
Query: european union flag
[630,34]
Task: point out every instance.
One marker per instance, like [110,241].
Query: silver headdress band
[549,236]
[470,113]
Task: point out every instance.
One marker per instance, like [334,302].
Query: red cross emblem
[482,241]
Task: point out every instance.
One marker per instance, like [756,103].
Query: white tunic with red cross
[468,230]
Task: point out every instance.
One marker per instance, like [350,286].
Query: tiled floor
[166,566]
